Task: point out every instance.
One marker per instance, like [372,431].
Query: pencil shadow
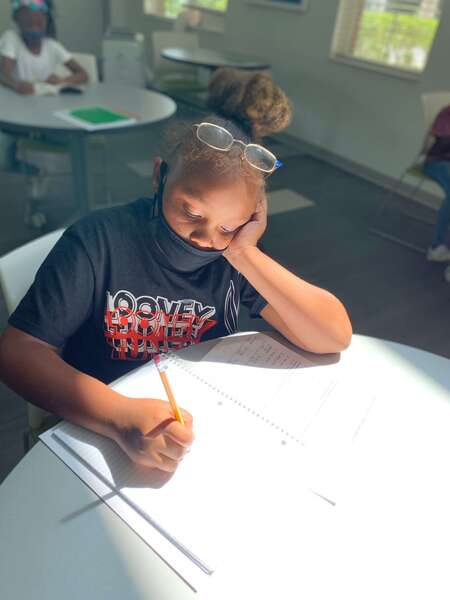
[137,476]
[77,513]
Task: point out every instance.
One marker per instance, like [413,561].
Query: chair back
[19,267]
[171,39]
[17,272]
[87,61]
[89,64]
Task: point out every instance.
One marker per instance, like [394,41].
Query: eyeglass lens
[214,136]
[260,158]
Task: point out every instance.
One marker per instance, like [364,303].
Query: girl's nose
[205,238]
[200,239]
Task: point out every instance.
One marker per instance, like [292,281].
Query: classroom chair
[17,271]
[89,64]
[432,104]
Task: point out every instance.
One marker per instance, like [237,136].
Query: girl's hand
[24,87]
[151,436]
[55,80]
[249,233]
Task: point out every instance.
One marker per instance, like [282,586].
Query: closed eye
[228,231]
[192,216]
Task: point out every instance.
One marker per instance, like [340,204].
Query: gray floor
[391,292]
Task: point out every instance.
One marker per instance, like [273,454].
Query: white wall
[79,23]
[5,15]
[368,117]
[130,14]
[365,116]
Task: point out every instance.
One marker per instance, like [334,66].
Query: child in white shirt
[29,55]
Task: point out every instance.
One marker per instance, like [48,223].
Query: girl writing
[127,283]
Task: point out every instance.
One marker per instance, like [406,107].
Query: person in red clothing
[437,167]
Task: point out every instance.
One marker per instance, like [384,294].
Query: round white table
[213,59]
[35,114]
[387,537]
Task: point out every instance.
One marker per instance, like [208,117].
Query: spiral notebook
[262,413]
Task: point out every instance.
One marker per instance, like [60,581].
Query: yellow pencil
[162,373]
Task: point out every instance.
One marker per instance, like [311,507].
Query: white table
[35,114]
[387,537]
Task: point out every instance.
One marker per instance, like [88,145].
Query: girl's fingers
[164,446]
[152,460]
[188,418]
[165,463]
[181,434]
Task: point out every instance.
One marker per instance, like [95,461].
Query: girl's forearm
[316,319]
[42,377]
[8,80]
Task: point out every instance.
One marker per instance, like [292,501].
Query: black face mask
[175,252]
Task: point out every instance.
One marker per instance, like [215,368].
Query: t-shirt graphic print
[139,328]
[108,298]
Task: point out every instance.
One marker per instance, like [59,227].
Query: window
[172,8]
[395,35]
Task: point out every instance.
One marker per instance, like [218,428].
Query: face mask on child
[178,253]
[33,37]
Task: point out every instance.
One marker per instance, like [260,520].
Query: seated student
[437,166]
[30,55]
[126,283]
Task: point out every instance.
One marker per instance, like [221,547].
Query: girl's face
[32,24]
[205,213]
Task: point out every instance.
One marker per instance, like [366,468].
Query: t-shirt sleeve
[61,297]
[251,299]
[8,45]
[60,55]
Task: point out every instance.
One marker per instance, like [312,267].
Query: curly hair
[255,101]
[250,107]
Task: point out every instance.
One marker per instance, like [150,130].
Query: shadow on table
[137,477]
[196,354]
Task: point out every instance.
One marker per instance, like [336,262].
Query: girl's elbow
[343,336]
[333,343]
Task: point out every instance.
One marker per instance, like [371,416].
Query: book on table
[95,117]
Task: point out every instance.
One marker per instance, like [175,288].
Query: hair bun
[254,101]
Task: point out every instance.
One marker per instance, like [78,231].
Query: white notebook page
[251,430]
[300,402]
[210,501]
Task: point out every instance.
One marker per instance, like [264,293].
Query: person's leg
[439,171]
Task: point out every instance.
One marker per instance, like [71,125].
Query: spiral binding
[182,365]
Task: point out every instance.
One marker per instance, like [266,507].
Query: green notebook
[97,115]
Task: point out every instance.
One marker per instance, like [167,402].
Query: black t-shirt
[110,301]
